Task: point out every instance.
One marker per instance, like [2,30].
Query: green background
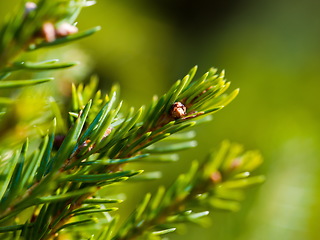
[270,50]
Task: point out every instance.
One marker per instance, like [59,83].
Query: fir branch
[22,83]
[217,182]
[34,25]
[44,24]
[73,171]
[55,186]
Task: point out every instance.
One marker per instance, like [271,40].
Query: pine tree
[52,176]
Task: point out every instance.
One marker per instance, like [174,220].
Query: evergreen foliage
[50,184]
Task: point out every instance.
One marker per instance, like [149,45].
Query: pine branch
[53,186]
[218,183]
[39,25]
[93,153]
[34,26]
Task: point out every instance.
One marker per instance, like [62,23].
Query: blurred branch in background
[33,26]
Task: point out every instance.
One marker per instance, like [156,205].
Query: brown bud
[30,6]
[235,163]
[85,143]
[107,132]
[216,177]
[178,110]
[51,33]
[48,31]
[65,29]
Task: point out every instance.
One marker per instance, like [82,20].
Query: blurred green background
[271,51]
